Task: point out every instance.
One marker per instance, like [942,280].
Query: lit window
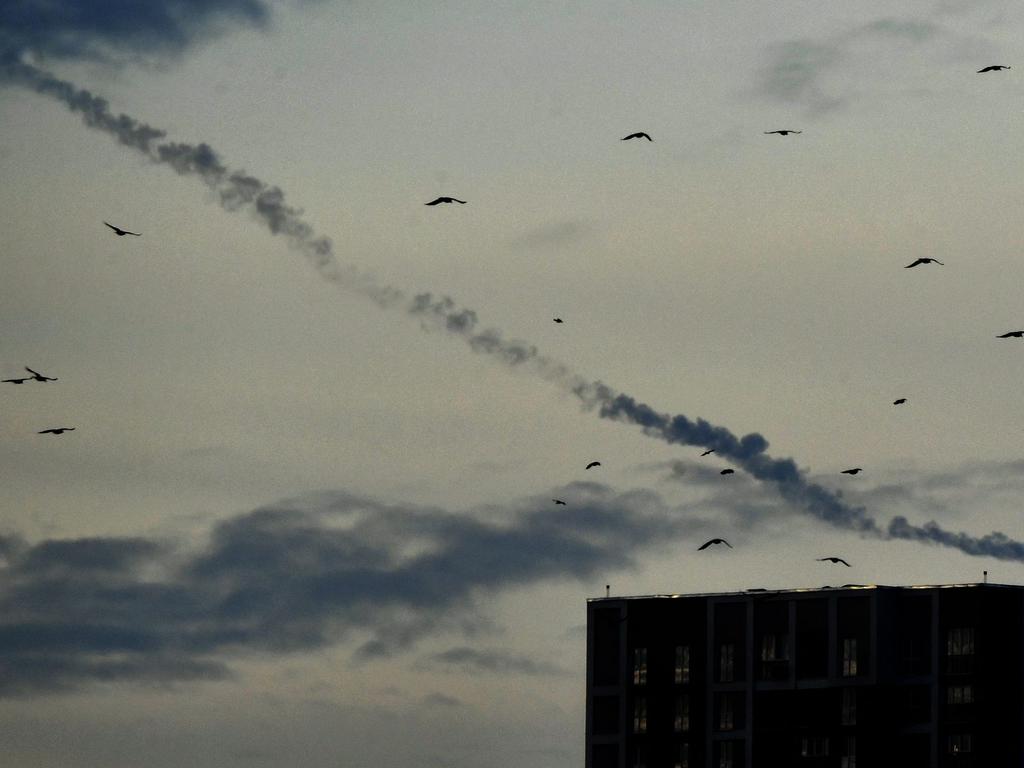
[639,666]
[850,657]
[725,755]
[814,746]
[959,650]
[726,713]
[682,664]
[682,721]
[959,743]
[960,694]
[773,648]
[726,662]
[640,715]
[683,756]
[849,758]
[960,642]
[774,657]
[849,706]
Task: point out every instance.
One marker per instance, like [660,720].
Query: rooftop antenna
[608,589]
[986,576]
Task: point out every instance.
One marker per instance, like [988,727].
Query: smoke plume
[237,190]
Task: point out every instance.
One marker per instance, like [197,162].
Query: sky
[306,513]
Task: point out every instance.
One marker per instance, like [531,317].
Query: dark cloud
[467,659]
[296,576]
[797,71]
[115,30]
[794,72]
[550,235]
[441,699]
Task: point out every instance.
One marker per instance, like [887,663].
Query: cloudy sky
[306,513]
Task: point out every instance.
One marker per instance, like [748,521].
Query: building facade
[875,676]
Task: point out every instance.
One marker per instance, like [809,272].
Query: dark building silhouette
[868,676]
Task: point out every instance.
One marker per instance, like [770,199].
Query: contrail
[237,190]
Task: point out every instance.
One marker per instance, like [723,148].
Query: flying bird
[121,232]
[853,471]
[709,450]
[835,560]
[993,68]
[56,431]
[925,261]
[594,464]
[36,376]
[16,381]
[445,200]
[781,133]
[559,320]
[1012,334]
[727,471]
[638,135]
[708,543]
[901,401]
[559,501]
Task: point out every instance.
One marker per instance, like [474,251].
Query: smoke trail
[747,452]
[236,191]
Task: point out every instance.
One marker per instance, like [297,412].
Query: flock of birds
[38,377]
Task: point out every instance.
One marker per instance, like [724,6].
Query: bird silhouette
[853,471]
[38,376]
[16,381]
[445,200]
[836,560]
[56,431]
[559,501]
[727,471]
[709,450]
[781,133]
[121,232]
[901,401]
[638,135]
[993,68]
[925,261]
[708,543]
[559,320]
[594,464]
[1012,335]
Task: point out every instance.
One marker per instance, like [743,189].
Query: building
[875,676]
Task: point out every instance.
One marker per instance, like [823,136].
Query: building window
[774,648]
[959,650]
[915,658]
[640,715]
[726,713]
[849,758]
[640,757]
[960,642]
[726,663]
[725,755]
[849,716]
[959,743]
[774,657]
[814,746]
[682,664]
[960,694]
[683,756]
[682,721]
[850,657]
[639,666]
